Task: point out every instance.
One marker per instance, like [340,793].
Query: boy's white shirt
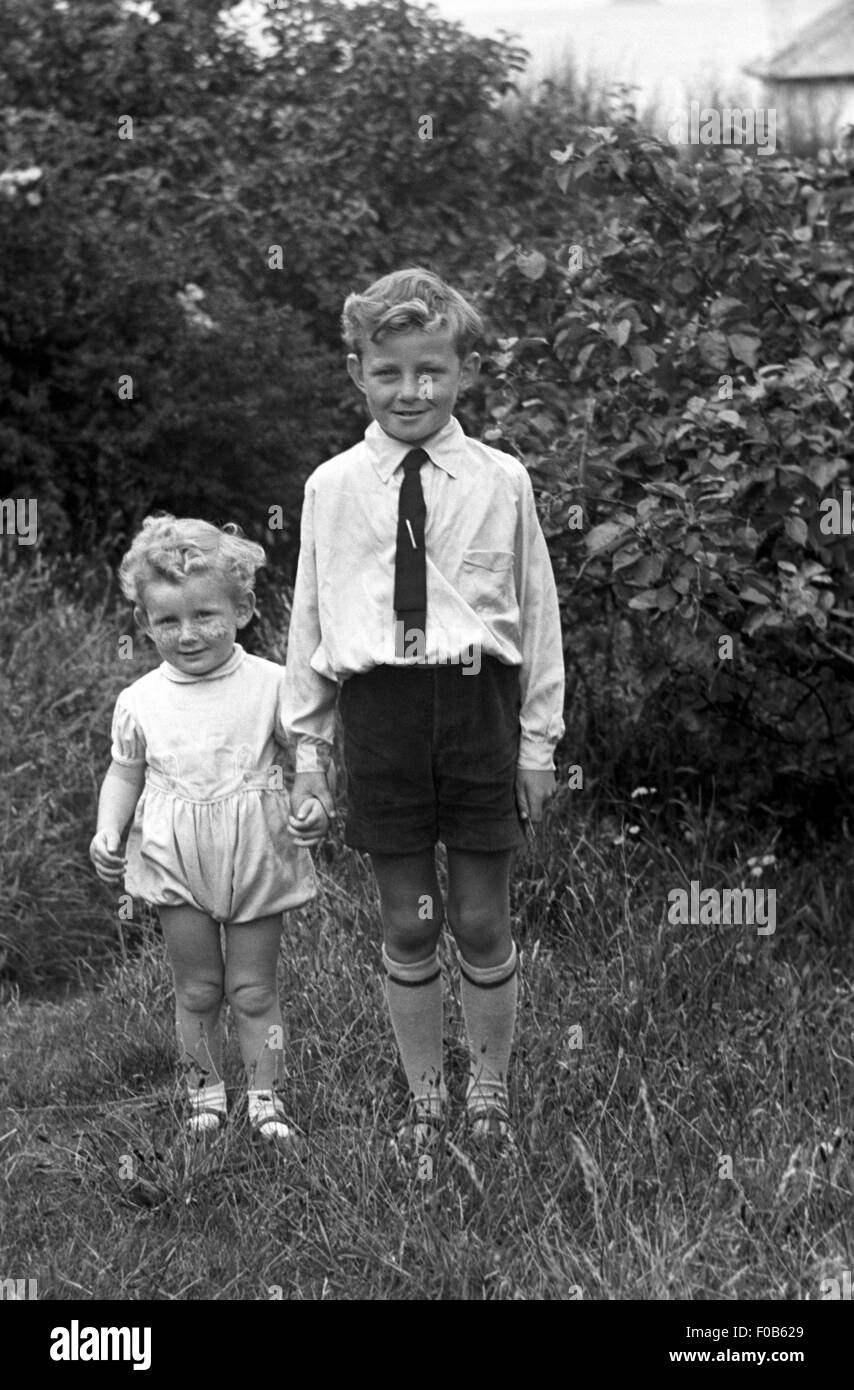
[490,585]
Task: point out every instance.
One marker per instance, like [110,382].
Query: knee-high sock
[489,997]
[414,995]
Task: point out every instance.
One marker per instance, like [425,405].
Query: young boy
[425,601]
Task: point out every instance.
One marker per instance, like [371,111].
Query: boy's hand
[533,790]
[312,808]
[105,853]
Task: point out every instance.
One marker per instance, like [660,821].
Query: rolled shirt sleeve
[308,703]
[541,676]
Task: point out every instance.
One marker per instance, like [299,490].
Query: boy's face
[411,381]
[193,624]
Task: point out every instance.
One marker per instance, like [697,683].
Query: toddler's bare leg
[192,941]
[251,958]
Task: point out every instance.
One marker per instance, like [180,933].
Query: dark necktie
[410,564]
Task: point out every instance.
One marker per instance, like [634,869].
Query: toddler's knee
[199,996]
[251,999]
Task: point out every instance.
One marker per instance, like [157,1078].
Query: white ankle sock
[262,1104]
[203,1098]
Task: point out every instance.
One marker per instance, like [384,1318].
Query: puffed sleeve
[128,738]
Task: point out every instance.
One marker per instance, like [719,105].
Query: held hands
[533,790]
[312,808]
[105,853]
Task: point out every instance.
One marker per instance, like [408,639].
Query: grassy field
[697,1043]
[683,1094]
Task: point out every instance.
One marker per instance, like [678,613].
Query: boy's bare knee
[481,934]
[251,999]
[408,941]
[199,996]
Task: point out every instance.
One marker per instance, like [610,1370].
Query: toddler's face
[193,624]
[411,381]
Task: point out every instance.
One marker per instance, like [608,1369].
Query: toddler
[194,766]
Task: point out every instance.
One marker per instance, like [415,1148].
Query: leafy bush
[150,256]
[676,362]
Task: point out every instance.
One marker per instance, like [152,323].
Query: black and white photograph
[426,672]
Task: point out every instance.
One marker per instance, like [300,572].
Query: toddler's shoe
[205,1124]
[269,1125]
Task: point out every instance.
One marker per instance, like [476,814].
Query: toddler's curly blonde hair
[174,548]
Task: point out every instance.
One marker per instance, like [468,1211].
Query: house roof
[824,48]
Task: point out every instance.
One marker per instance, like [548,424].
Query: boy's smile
[193,623]
[411,381]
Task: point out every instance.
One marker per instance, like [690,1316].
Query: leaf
[647,599]
[823,471]
[604,536]
[532,264]
[684,282]
[725,308]
[752,595]
[645,572]
[714,350]
[643,357]
[626,555]
[744,348]
[796,530]
[667,598]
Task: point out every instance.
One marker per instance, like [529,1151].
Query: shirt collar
[446,449]
[187,678]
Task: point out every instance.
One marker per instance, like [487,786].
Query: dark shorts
[430,754]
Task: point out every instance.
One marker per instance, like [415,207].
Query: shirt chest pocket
[487,581]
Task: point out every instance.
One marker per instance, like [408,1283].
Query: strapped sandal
[490,1125]
[273,1114]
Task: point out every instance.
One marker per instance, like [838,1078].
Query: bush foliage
[676,366]
[207,256]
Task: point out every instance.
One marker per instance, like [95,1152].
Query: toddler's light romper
[210,828]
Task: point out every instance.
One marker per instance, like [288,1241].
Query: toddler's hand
[309,826]
[105,853]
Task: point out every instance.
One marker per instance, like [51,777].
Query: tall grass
[60,672]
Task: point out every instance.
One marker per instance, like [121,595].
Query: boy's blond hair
[174,548]
[407,299]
